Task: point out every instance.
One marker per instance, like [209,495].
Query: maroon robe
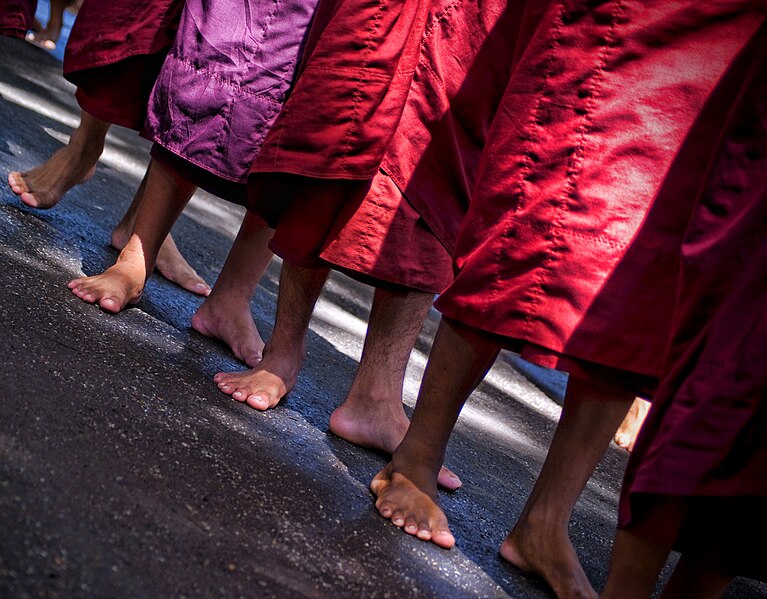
[16,17]
[114,54]
[403,229]
[605,108]
[705,437]
[570,249]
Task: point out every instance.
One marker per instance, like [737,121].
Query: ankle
[86,149]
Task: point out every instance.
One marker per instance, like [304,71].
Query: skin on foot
[47,37]
[43,186]
[264,386]
[629,429]
[114,289]
[170,263]
[232,325]
[549,554]
[380,426]
[413,508]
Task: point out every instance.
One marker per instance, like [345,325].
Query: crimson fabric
[359,62]
[118,93]
[466,58]
[16,17]
[706,433]
[223,84]
[107,31]
[114,54]
[433,154]
[367,231]
[586,183]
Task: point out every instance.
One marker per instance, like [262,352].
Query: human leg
[165,196]
[226,315]
[372,414]
[170,263]
[48,36]
[406,489]
[635,565]
[45,185]
[275,376]
[641,549]
[539,541]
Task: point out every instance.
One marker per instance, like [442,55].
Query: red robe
[403,229]
[570,248]
[16,17]
[114,54]
[605,108]
[705,437]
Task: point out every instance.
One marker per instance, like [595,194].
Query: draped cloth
[417,149]
[570,135]
[222,85]
[705,438]
[114,54]
[571,244]
[16,17]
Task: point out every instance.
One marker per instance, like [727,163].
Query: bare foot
[47,37]
[170,263]
[548,552]
[119,285]
[264,386]
[629,429]
[411,506]
[380,426]
[231,324]
[43,186]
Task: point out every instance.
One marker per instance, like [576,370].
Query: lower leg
[699,578]
[372,414]
[635,565]
[45,185]
[275,376]
[226,315]
[170,263]
[539,541]
[640,551]
[165,196]
[407,487]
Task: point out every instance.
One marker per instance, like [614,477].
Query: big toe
[261,401]
[250,355]
[194,283]
[442,537]
[17,183]
[448,480]
[111,304]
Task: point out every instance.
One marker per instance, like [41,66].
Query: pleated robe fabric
[16,17]
[570,248]
[705,438]
[430,165]
[222,85]
[426,140]
[114,54]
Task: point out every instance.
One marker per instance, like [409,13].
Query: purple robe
[222,85]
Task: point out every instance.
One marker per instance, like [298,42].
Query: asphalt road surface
[124,472]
